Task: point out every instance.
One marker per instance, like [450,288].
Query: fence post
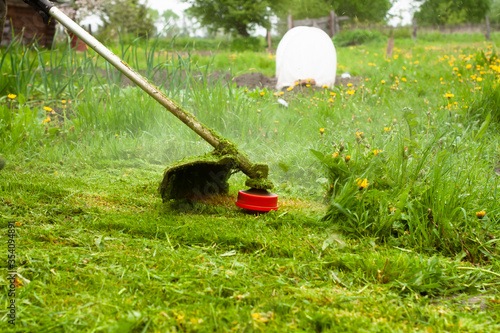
[414,34]
[269,46]
[290,22]
[331,21]
[487,27]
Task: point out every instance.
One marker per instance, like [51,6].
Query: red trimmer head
[257,200]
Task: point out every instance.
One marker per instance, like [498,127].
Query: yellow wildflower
[382,81]
[362,183]
[336,154]
[376,152]
[387,129]
[449,95]
[322,130]
[11,96]
[350,92]
[348,158]
[46,108]
[480,214]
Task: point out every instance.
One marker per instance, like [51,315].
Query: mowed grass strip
[126,262]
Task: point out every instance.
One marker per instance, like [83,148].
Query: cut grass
[98,252]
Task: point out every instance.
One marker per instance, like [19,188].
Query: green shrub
[356,37]
[240,44]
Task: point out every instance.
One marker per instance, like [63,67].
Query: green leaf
[484,127]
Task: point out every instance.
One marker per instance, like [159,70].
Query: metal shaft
[138,79]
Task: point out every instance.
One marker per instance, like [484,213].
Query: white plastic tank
[305,53]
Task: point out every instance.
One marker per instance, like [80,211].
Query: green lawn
[97,250]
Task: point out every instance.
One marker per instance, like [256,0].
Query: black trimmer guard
[198,177]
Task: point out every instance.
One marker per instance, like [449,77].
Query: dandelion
[322,130]
[46,108]
[403,79]
[362,183]
[289,88]
[11,96]
[336,154]
[376,152]
[469,66]
[480,214]
[449,95]
[262,93]
[383,82]
[325,86]
[347,158]
[63,101]
[387,129]
[350,92]
[349,84]
[333,94]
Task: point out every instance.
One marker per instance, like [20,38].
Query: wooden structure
[22,19]
[329,24]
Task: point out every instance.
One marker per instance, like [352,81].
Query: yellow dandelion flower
[350,92]
[449,95]
[362,183]
[336,154]
[46,108]
[387,129]
[480,214]
[289,88]
[376,152]
[262,93]
[349,84]
[403,79]
[63,101]
[383,82]
[322,130]
[469,66]
[348,158]
[11,96]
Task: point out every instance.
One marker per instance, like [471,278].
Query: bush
[240,44]
[356,37]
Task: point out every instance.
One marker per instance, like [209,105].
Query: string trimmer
[195,177]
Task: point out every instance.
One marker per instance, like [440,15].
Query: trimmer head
[257,200]
[197,177]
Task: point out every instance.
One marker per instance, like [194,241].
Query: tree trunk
[242,30]
[3,15]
